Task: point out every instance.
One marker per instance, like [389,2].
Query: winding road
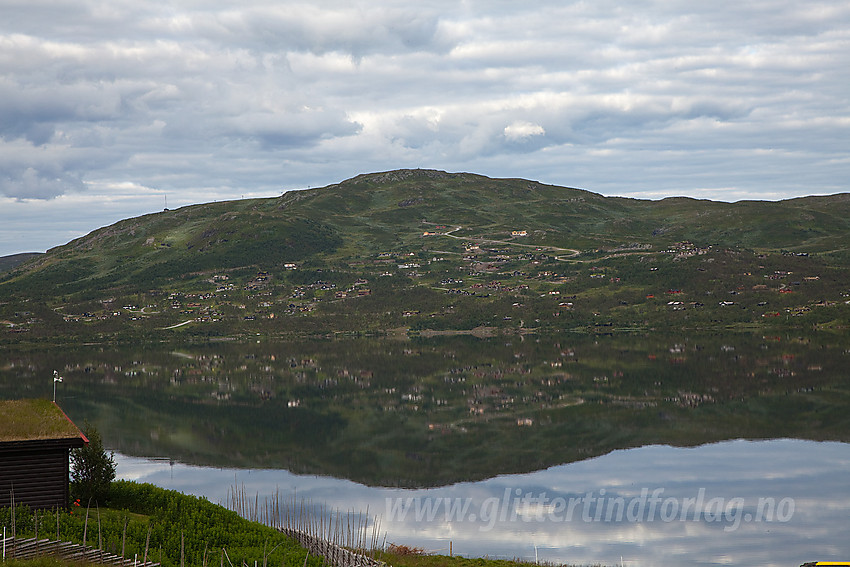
[543,248]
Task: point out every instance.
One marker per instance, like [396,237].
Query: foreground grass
[168,526]
[42,562]
[393,559]
[405,557]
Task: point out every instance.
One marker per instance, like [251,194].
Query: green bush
[92,469]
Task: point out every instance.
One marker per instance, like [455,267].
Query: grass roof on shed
[27,420]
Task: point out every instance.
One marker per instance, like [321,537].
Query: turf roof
[26,420]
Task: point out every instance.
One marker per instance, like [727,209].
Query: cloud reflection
[810,476]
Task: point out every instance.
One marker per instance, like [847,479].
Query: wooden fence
[343,539]
[28,548]
[334,554]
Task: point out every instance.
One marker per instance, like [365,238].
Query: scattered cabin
[36,438]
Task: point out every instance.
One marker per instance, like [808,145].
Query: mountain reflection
[436,411]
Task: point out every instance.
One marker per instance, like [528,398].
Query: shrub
[93,470]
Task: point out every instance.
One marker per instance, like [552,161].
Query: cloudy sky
[110,107]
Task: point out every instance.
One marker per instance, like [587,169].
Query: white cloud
[521,130]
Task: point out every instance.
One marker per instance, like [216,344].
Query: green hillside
[433,251]
[9,262]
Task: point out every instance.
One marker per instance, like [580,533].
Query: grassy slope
[371,212]
[167,523]
[9,262]
[354,221]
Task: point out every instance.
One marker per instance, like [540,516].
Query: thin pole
[56,378]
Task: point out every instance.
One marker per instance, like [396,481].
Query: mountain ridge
[398,223]
[12,261]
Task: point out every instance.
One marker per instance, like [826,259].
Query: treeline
[176,529]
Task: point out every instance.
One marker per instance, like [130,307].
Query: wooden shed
[36,438]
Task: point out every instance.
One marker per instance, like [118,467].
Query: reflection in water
[433,412]
[448,410]
[779,502]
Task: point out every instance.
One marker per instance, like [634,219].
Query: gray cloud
[720,100]
[39,184]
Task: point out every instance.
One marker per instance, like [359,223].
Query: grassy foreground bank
[170,525]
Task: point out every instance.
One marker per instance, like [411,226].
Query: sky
[116,108]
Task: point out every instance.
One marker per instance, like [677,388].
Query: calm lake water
[780,502]
[459,425]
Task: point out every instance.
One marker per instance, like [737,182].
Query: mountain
[9,262]
[436,251]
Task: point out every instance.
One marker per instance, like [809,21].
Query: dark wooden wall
[37,472]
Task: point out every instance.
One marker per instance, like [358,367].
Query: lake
[568,447]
